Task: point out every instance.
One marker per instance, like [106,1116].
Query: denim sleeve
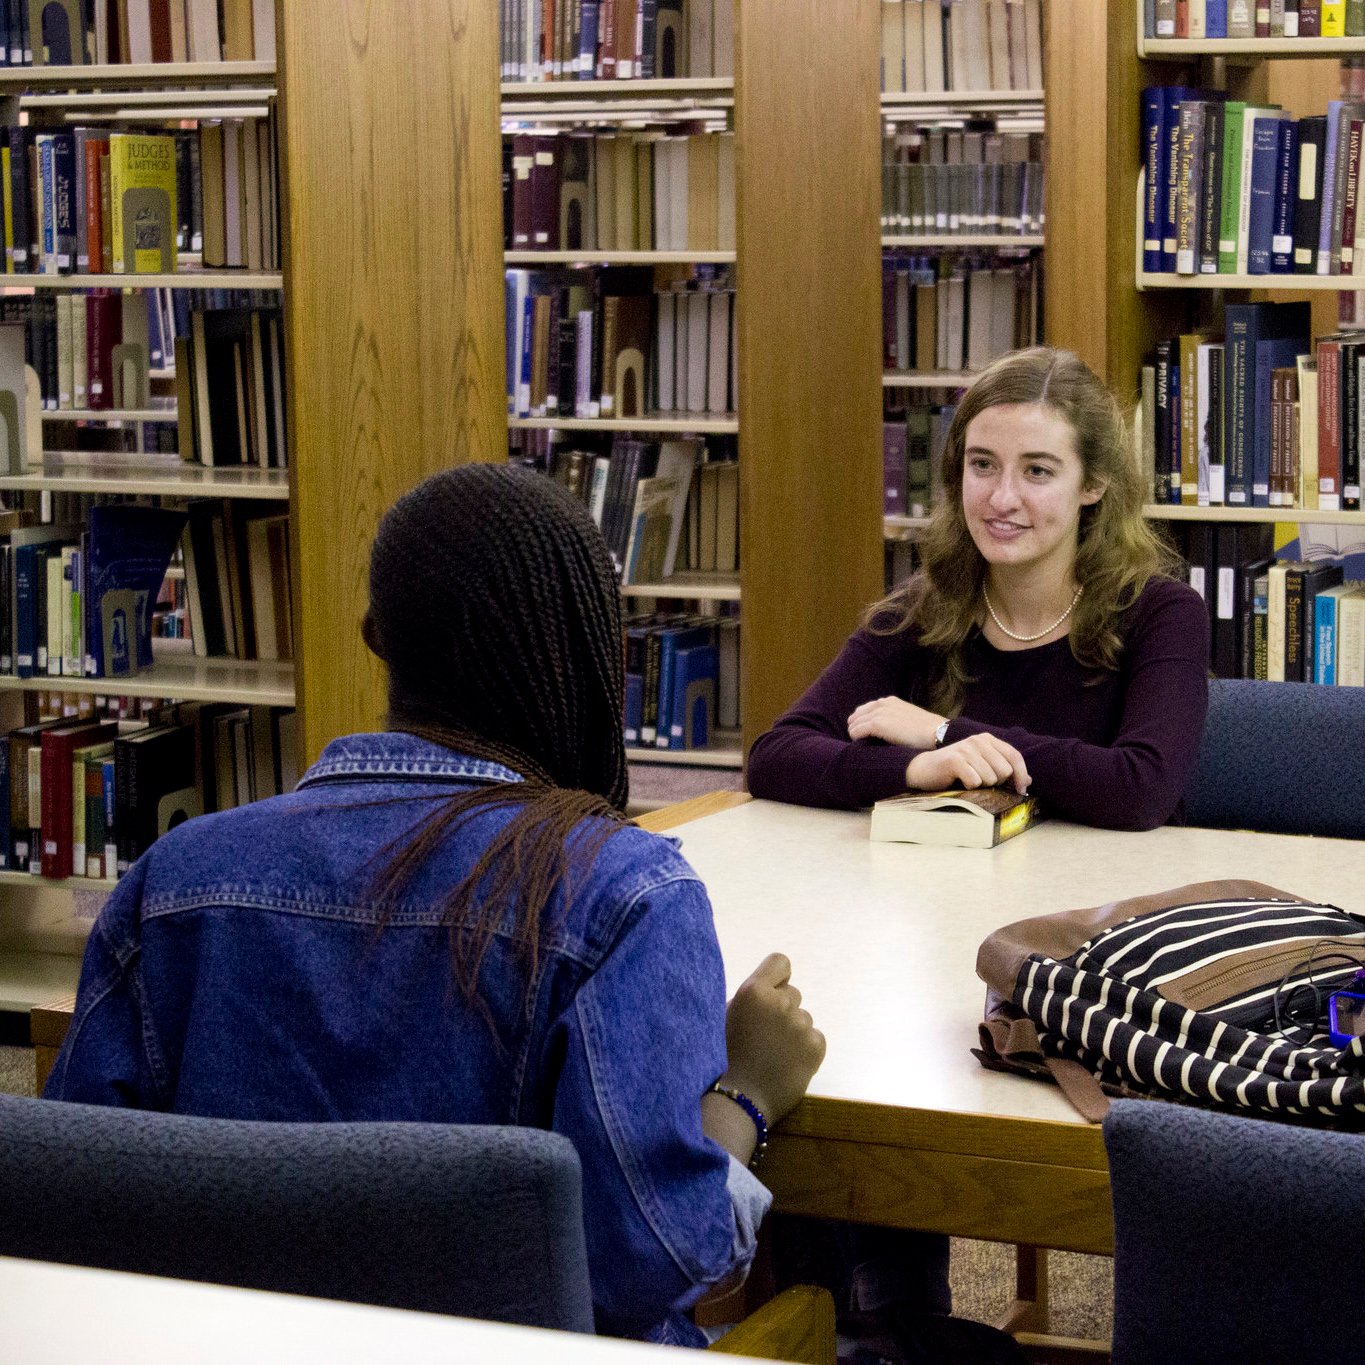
[643,1039]
[109,1055]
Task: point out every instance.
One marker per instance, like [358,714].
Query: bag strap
[1080,1087]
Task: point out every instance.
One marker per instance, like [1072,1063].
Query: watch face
[1348,1014]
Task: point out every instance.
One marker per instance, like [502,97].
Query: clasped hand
[981,760]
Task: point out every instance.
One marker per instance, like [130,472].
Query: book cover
[693,708]
[155,788]
[1271,354]
[1317,579]
[129,548]
[1210,217]
[958,819]
[142,198]
[56,818]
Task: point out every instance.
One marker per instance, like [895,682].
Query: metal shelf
[1159,511]
[180,279]
[113,472]
[1004,241]
[540,258]
[698,587]
[700,424]
[724,752]
[1179,49]
[185,678]
[928,379]
[516,92]
[110,415]
[164,75]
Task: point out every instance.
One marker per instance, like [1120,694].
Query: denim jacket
[239,971]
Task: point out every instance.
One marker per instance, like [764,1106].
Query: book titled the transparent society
[960,819]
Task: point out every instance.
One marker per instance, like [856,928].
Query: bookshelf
[43,922]
[592,257]
[657,422]
[997,241]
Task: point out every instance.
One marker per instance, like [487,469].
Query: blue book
[1244,326]
[635,707]
[1286,195]
[1265,141]
[695,673]
[1276,353]
[1325,631]
[156,337]
[1216,19]
[47,207]
[671,640]
[587,41]
[1154,158]
[525,365]
[1170,141]
[108,774]
[1329,160]
[128,550]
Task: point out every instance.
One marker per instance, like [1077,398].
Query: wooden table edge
[697,808]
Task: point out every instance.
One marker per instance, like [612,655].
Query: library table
[903,1126]
[56,1314]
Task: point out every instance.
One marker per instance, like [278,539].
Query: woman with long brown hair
[451,921]
[1043,643]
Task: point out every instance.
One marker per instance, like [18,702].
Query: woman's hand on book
[977,761]
[773,1044]
[896,721]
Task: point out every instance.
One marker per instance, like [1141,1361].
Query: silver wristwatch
[941,734]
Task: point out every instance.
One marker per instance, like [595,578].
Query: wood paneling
[710,803]
[394,310]
[809,277]
[798,1326]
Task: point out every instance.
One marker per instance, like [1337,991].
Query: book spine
[1233,117]
[1352,418]
[1325,654]
[1323,260]
[1189,400]
[1171,194]
[1261,189]
[1210,218]
[1329,425]
[1236,377]
[1293,626]
[1282,228]
[1190,183]
[1346,251]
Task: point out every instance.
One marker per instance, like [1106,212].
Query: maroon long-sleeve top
[1107,748]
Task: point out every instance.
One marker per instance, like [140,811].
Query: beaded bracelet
[755,1113]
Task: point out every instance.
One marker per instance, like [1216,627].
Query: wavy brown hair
[1117,551]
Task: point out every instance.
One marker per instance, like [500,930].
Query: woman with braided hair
[452,921]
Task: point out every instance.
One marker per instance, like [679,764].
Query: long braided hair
[494,604]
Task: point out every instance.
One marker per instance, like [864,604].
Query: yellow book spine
[9,210]
[1334,18]
[142,203]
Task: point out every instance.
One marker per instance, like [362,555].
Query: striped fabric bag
[1213,994]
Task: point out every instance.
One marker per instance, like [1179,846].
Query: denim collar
[391,753]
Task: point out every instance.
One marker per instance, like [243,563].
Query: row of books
[229,381]
[1273,618]
[610,346]
[78,32]
[89,201]
[237,600]
[1237,188]
[92,350]
[619,192]
[912,448]
[1259,417]
[977,45]
[960,313]
[87,797]
[1253,19]
[682,679]
[975,180]
[554,40]
[663,506]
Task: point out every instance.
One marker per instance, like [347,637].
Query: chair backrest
[482,1222]
[1281,758]
[1229,1236]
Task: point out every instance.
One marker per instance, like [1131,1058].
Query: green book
[1233,111]
[1355,18]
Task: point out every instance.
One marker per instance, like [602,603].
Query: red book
[1310,18]
[625,39]
[1329,424]
[103,331]
[1182,18]
[523,164]
[544,195]
[57,747]
[95,147]
[160,13]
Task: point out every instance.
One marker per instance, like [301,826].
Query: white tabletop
[883,937]
[61,1315]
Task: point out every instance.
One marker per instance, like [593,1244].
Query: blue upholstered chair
[482,1222]
[1283,758]
[1233,1237]
[477,1221]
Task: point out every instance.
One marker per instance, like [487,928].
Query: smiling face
[1023,487]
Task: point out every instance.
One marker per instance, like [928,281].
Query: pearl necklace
[1028,639]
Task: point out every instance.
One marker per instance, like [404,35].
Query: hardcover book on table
[957,819]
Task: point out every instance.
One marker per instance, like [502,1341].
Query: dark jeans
[869,1270]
